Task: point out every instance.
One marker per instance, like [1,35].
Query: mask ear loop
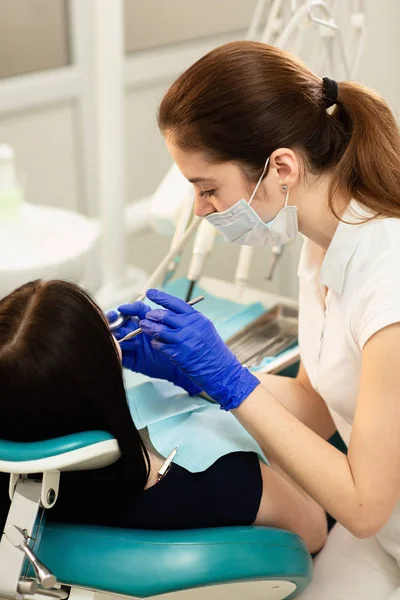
[259,181]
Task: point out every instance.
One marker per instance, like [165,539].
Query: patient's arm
[299,397]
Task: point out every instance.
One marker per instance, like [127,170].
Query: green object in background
[11,193]
[10,204]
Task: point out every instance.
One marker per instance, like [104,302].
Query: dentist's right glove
[193,344]
[139,355]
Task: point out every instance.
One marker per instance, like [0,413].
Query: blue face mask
[240,224]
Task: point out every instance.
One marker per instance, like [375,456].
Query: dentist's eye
[207,193]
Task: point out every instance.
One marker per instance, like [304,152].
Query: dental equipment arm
[171,194]
[203,244]
[185,215]
[243,269]
[256,20]
[276,252]
[163,266]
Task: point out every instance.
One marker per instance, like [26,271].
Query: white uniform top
[347,294]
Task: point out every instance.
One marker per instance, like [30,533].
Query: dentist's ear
[286,165]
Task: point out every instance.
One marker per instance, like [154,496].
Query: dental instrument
[269,335]
[138,331]
[165,467]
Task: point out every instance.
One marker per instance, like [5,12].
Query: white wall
[152,24]
[48,145]
[33,36]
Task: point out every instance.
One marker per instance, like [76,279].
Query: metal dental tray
[269,335]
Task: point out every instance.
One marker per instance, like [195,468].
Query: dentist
[272,149]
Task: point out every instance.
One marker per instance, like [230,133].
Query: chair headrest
[79,451]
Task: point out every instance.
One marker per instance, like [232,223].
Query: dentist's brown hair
[243,100]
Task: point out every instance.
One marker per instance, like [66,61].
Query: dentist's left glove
[191,341]
[139,355]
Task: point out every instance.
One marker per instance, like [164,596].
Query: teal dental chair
[38,557]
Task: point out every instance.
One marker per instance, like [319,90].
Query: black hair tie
[330,92]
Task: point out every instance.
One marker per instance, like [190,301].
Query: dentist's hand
[191,341]
[139,355]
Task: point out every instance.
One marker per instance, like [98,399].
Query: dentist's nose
[203,207]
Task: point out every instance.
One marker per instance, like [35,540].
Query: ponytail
[369,169]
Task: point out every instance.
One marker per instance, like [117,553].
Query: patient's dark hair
[60,372]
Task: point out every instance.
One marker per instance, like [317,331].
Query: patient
[61,373]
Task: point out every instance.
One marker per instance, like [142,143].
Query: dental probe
[136,332]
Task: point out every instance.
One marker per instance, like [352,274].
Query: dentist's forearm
[319,468]
[305,404]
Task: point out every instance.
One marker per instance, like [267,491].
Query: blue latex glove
[138,353]
[191,341]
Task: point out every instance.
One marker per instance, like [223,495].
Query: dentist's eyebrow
[202,180]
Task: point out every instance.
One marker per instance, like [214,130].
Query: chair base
[253,590]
